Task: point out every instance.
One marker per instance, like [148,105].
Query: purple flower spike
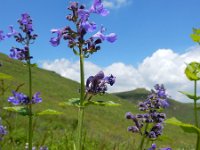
[97,84]
[97,7]
[36,99]
[12,32]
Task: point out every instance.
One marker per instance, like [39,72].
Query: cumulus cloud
[164,66]
[116,3]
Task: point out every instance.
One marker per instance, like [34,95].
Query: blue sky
[143,27]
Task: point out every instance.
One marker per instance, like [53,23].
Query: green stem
[82,95]
[30,127]
[196,115]
[143,138]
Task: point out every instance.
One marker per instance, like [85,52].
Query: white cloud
[163,67]
[116,3]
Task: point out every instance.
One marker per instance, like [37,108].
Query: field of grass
[105,127]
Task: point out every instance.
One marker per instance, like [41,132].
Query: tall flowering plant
[149,124]
[23,103]
[192,72]
[82,46]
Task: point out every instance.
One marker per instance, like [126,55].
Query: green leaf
[192,71]
[75,52]
[49,112]
[4,76]
[186,127]
[198,108]
[101,103]
[189,95]
[196,35]
[71,102]
[18,109]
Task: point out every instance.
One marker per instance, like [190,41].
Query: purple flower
[83,14]
[153,147]
[133,129]
[97,7]
[18,98]
[43,148]
[26,22]
[36,99]
[12,32]
[55,41]
[89,27]
[21,99]
[97,84]
[20,54]
[3,131]
[112,37]
[2,37]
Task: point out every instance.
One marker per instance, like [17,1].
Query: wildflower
[97,7]
[12,32]
[97,84]
[22,99]
[20,54]
[3,131]
[80,17]
[112,37]
[156,99]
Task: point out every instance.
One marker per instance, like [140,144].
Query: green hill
[106,127]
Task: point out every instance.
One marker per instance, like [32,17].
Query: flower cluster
[97,84]
[21,99]
[153,147]
[80,17]
[155,101]
[3,131]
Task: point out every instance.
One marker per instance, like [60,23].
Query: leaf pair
[76,102]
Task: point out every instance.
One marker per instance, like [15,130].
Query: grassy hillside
[106,127]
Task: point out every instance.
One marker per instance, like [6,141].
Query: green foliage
[49,112]
[190,96]
[107,125]
[102,103]
[196,35]
[189,128]
[4,76]
[24,111]
[192,71]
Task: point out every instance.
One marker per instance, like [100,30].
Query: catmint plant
[26,37]
[82,46]
[149,124]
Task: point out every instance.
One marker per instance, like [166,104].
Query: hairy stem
[82,96]
[196,115]
[143,137]
[30,127]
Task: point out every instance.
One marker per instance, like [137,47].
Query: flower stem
[30,127]
[143,137]
[82,95]
[196,115]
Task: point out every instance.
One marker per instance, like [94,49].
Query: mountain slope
[106,126]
